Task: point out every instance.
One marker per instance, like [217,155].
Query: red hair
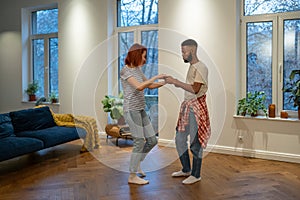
[134,55]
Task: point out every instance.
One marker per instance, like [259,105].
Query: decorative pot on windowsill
[32,97]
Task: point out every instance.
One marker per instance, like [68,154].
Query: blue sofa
[29,130]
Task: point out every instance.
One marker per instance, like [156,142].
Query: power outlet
[240,137]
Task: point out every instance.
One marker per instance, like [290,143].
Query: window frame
[277,20]
[137,30]
[27,38]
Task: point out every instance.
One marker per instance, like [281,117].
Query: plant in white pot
[114,106]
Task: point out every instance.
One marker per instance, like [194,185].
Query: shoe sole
[142,175]
[138,183]
[183,175]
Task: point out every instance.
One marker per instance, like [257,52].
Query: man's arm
[192,88]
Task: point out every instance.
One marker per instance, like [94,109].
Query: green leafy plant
[113,105]
[293,87]
[32,88]
[53,97]
[252,103]
[242,107]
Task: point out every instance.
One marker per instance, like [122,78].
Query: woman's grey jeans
[143,135]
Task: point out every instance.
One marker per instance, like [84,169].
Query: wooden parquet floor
[62,173]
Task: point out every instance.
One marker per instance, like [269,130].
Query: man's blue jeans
[195,147]
[143,135]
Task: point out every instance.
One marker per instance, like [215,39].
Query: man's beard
[189,58]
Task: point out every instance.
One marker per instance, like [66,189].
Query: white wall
[84,56]
[11,53]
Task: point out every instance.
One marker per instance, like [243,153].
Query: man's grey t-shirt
[133,99]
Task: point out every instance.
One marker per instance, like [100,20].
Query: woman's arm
[156,84]
[147,83]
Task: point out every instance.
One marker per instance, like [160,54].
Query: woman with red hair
[134,82]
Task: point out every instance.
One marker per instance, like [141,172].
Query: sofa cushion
[55,135]
[13,146]
[32,119]
[6,128]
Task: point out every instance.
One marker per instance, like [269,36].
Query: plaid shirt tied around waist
[202,118]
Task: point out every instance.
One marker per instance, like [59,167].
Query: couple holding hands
[193,118]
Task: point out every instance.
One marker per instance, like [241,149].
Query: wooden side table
[118,131]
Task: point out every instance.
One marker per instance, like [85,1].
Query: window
[43,60]
[137,23]
[270,47]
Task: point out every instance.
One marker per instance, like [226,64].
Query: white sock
[140,171]
[133,178]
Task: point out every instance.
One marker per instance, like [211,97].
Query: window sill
[43,103]
[290,119]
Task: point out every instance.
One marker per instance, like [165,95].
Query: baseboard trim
[268,155]
[102,134]
[166,143]
[254,153]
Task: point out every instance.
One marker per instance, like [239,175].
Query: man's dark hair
[189,42]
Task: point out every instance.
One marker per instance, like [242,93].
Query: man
[193,118]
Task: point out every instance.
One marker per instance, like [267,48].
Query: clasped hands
[167,79]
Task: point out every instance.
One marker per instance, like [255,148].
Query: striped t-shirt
[133,99]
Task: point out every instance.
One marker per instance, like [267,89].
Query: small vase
[272,110]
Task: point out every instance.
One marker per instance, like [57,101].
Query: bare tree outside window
[259,58]
[257,7]
[137,12]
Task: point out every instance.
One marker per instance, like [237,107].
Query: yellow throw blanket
[91,140]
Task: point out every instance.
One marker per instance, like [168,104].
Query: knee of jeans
[180,140]
[152,141]
[138,143]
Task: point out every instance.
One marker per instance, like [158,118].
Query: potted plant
[114,105]
[31,90]
[256,102]
[53,97]
[293,87]
[252,104]
[242,107]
